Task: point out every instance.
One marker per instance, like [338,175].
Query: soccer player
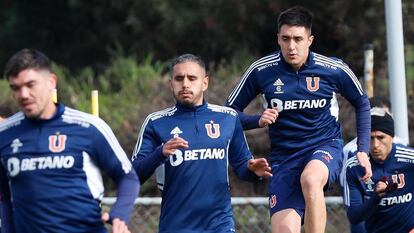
[300,88]
[51,156]
[191,145]
[384,202]
[351,147]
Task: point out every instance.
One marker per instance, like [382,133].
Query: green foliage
[125,87]
[6,100]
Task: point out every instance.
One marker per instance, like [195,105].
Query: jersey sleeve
[348,150]
[241,96]
[109,155]
[350,88]
[358,209]
[147,155]
[239,154]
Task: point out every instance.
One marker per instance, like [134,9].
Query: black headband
[382,121]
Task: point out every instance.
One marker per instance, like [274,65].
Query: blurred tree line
[83,33]
[122,48]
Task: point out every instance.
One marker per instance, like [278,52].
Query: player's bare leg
[313,179]
[286,221]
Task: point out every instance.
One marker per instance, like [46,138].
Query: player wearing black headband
[386,201]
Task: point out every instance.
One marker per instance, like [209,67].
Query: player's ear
[310,40]
[52,81]
[205,82]
[170,82]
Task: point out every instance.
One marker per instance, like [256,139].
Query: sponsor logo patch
[278,84]
[176,132]
[297,104]
[387,201]
[370,185]
[15,145]
[197,154]
[16,165]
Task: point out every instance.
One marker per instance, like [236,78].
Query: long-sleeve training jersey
[53,178]
[194,181]
[395,211]
[305,99]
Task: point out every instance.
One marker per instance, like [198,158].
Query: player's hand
[380,188]
[383,187]
[118,226]
[364,163]
[268,117]
[260,167]
[172,145]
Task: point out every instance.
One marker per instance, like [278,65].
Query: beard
[188,102]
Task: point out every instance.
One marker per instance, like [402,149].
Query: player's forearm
[145,166]
[249,121]
[361,212]
[363,123]
[243,172]
[127,192]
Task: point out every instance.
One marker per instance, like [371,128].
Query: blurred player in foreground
[51,156]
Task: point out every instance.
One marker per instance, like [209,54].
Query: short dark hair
[187,58]
[295,16]
[26,59]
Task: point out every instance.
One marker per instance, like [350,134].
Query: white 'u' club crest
[213,130]
[57,143]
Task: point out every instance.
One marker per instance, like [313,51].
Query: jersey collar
[307,64]
[60,108]
[198,108]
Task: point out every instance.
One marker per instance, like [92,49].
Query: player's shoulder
[222,109]
[11,122]
[162,113]
[352,161]
[330,63]
[86,122]
[399,140]
[83,119]
[404,151]
[265,62]
[351,146]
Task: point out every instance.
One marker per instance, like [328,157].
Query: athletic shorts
[285,191]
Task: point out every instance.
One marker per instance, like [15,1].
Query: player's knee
[286,221]
[314,176]
[312,181]
[285,228]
